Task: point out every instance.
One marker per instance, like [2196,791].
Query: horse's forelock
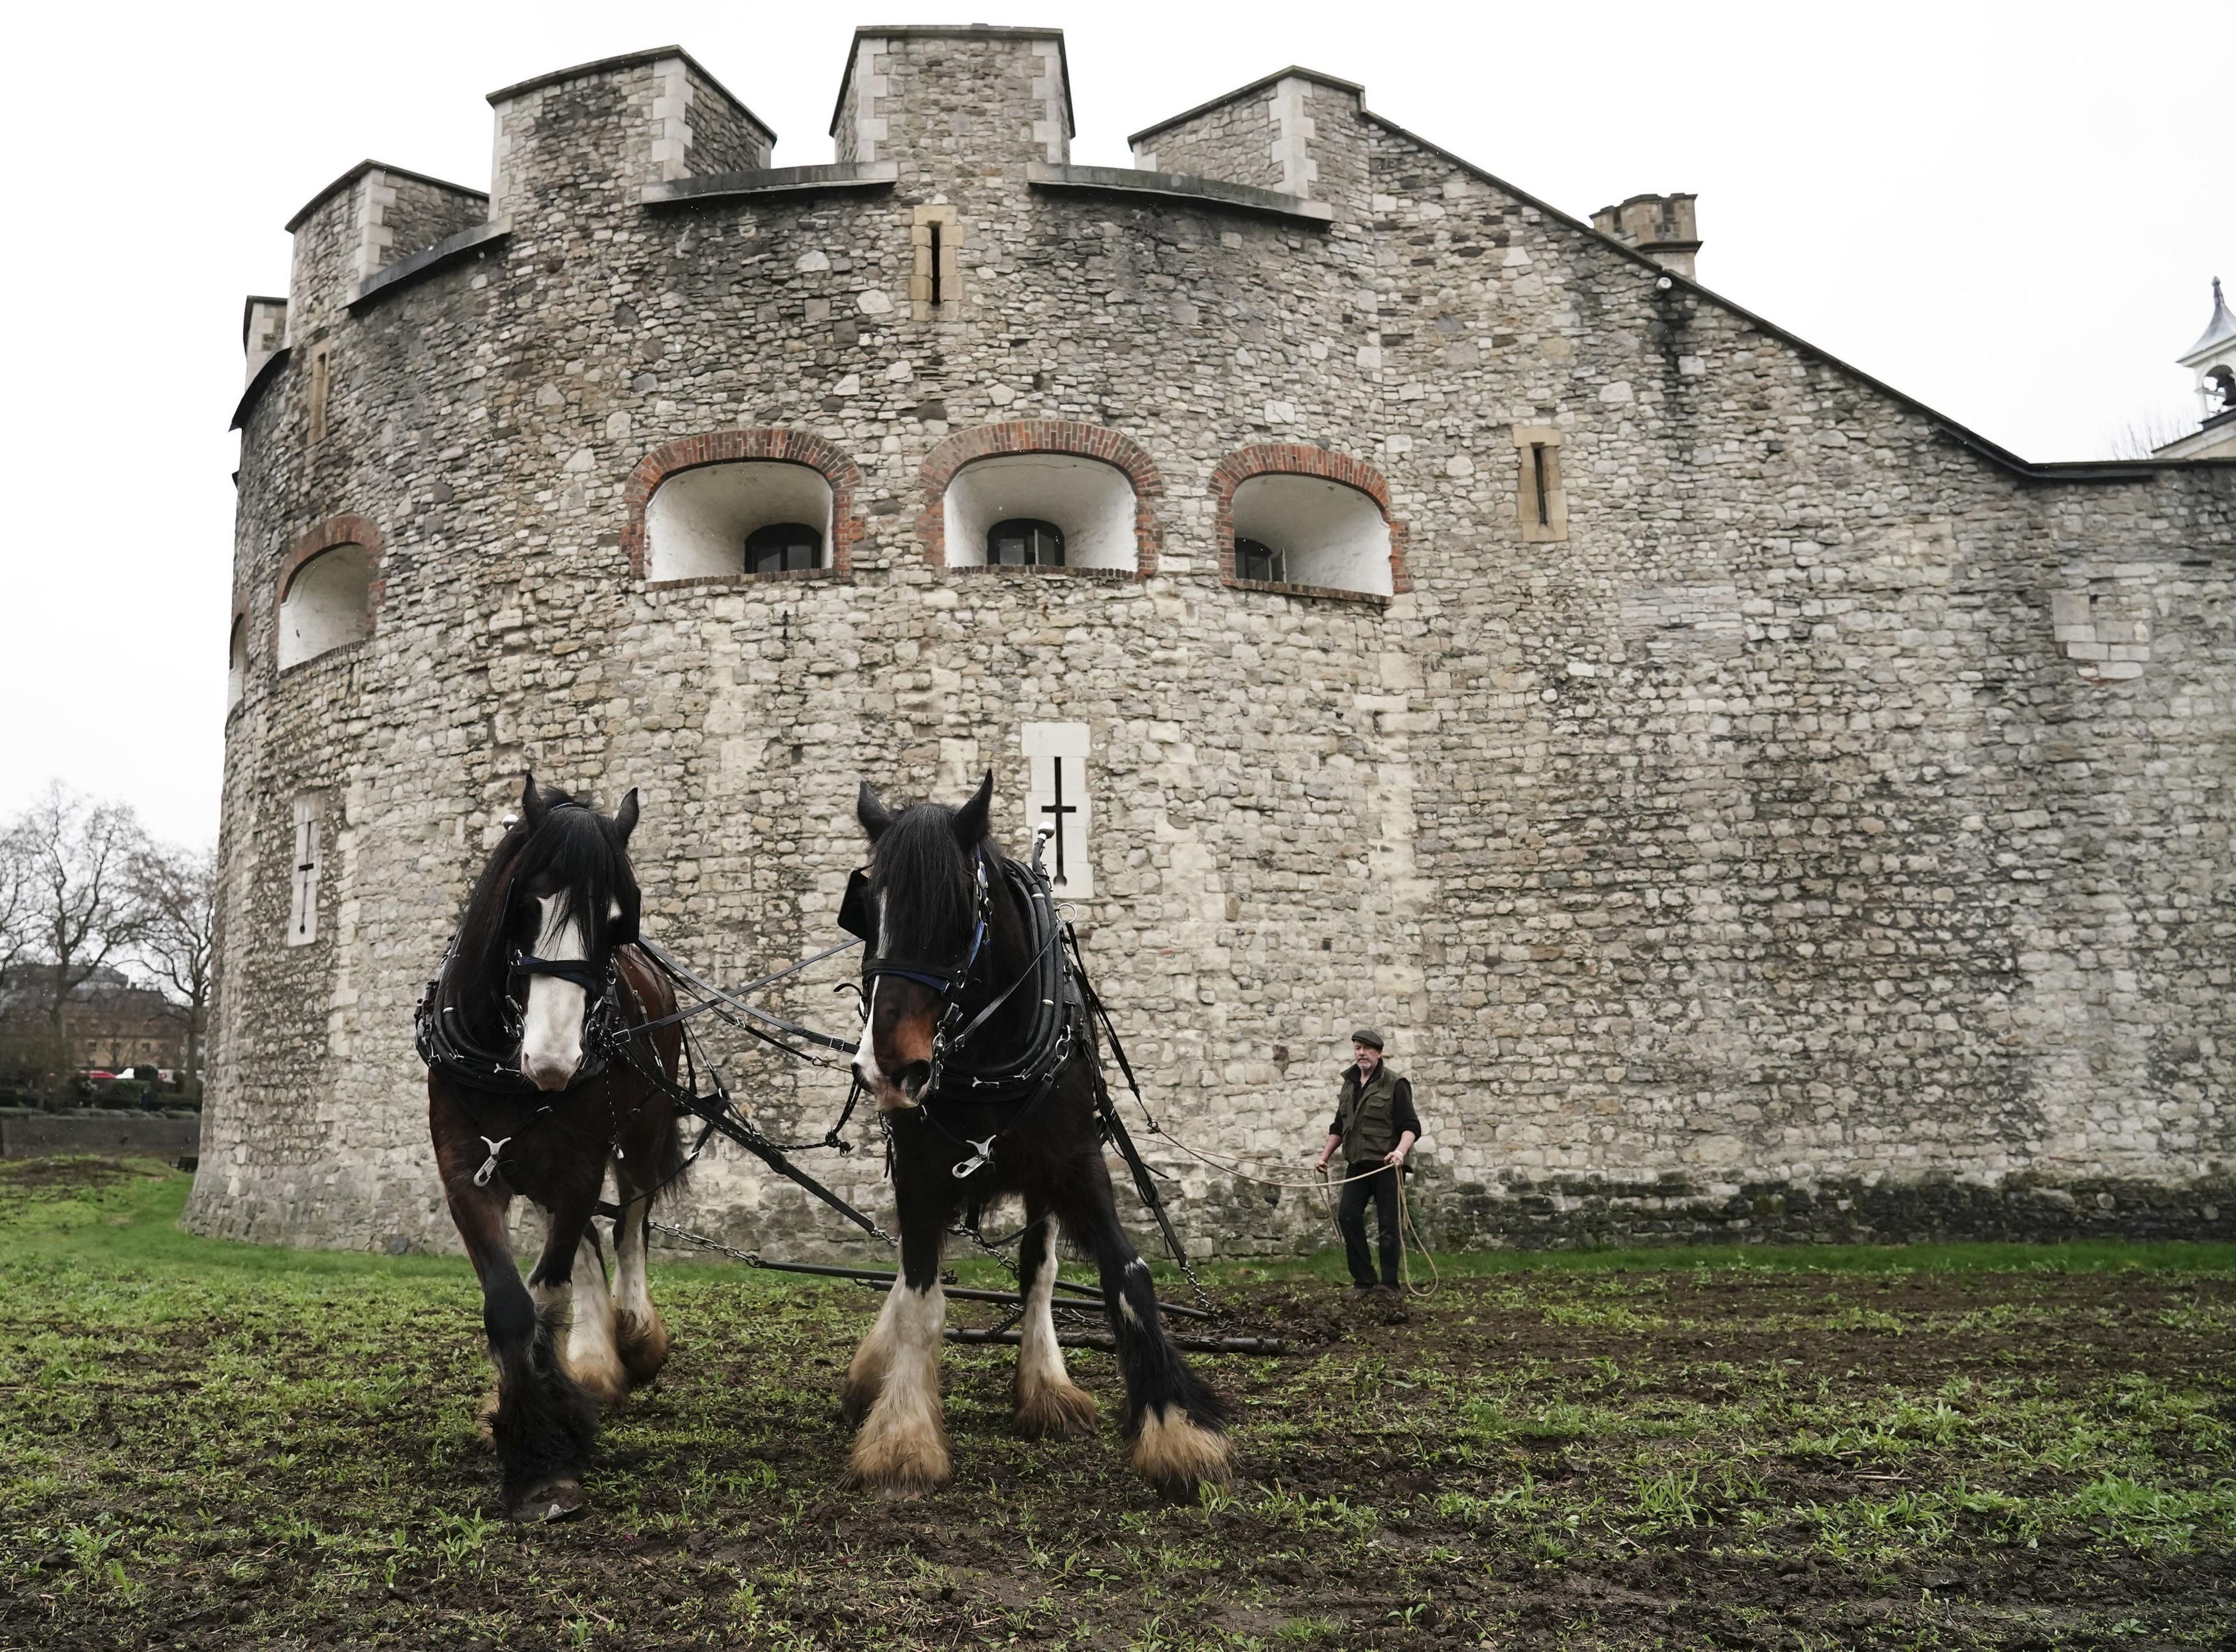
[922,875]
[580,848]
[583,852]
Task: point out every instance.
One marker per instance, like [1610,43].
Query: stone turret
[1295,132]
[1661,226]
[925,97]
[263,331]
[632,122]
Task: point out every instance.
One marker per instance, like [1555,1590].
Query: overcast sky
[2010,212]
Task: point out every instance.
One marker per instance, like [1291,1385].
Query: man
[1376,1127]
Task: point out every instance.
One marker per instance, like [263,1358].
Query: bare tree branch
[176,891]
[14,900]
[2142,437]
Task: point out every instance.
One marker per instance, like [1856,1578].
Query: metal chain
[999,1252]
[750,1258]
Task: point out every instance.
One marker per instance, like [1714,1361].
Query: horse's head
[926,865]
[558,898]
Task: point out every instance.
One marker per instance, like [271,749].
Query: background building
[108,1022]
[2213,358]
[1751,801]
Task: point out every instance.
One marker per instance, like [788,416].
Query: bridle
[445,1045]
[855,916]
[1027,1077]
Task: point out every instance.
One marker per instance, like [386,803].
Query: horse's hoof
[900,1463]
[1055,1411]
[1176,1454]
[642,1345]
[561,1500]
[485,1422]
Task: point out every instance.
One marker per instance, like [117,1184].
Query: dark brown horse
[535,1088]
[979,1054]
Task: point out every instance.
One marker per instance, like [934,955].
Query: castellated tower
[1753,804]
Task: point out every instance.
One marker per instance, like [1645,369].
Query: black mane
[579,848]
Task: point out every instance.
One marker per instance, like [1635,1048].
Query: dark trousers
[1382,1188]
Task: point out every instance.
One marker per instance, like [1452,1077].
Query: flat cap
[1368,1035]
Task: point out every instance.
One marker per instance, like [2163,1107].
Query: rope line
[1409,1237]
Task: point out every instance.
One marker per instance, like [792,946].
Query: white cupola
[2213,358]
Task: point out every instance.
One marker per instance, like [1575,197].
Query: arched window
[1041,511]
[783,547]
[1024,542]
[327,604]
[236,662]
[693,503]
[1308,531]
[749,516]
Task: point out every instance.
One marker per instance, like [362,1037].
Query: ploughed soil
[201,1447]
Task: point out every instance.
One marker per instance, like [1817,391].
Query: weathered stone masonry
[1828,835]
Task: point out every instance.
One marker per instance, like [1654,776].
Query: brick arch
[1042,435]
[729,447]
[334,530]
[1295,459]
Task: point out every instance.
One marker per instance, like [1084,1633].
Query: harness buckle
[978,1159]
[489,1165]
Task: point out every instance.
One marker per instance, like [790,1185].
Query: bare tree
[15,901]
[83,907]
[176,891]
[2143,435]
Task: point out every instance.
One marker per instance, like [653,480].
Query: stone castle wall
[1828,838]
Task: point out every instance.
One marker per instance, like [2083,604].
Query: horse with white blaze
[542,983]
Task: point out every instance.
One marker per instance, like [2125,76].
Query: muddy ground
[202,1446]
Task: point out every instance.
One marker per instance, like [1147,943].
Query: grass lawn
[208,1444]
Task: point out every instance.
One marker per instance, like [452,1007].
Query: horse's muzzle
[547,1074]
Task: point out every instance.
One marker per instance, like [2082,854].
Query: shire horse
[977,1050]
[535,1088]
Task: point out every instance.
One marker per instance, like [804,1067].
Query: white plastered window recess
[1295,530]
[717,521]
[303,873]
[1090,504]
[1057,802]
[327,605]
[236,662]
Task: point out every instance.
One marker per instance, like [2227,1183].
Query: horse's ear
[871,812]
[625,816]
[531,801]
[970,818]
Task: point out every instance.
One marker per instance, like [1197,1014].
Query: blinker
[856,916]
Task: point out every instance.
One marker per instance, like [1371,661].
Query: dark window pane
[783,547]
[1024,542]
[1253,560]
